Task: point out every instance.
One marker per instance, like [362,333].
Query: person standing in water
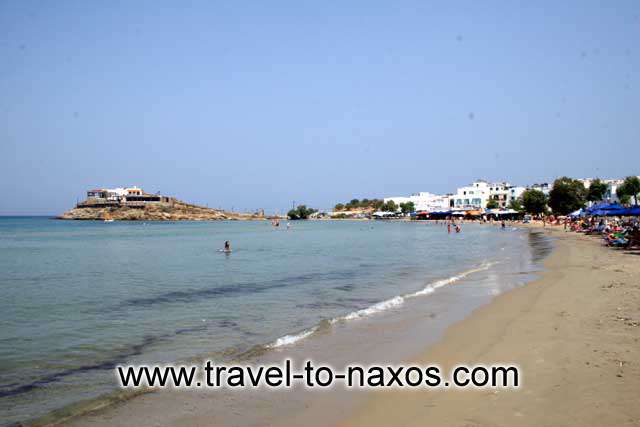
[227,246]
[458,228]
[449,227]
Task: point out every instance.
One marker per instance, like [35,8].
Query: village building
[116,197]
[423,201]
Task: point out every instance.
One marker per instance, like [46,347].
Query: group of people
[615,232]
[276,223]
[456,227]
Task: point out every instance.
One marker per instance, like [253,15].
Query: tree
[354,203]
[338,207]
[493,204]
[625,199]
[407,207]
[596,190]
[534,201]
[516,205]
[389,206]
[630,187]
[301,212]
[567,195]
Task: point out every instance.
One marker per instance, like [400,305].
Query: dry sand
[574,333]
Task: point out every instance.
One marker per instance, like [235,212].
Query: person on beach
[503,224]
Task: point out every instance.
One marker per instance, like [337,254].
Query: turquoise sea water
[77,298]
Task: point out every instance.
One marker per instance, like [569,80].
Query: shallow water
[77,298]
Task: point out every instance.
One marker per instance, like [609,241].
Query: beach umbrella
[576,214]
[508,212]
[632,211]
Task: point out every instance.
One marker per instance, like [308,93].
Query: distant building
[134,191]
[612,187]
[504,193]
[472,196]
[114,194]
[99,193]
[543,187]
[131,197]
[423,201]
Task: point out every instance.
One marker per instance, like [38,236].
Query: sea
[78,298]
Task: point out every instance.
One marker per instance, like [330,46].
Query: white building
[423,201]
[543,187]
[116,193]
[478,194]
[504,193]
[472,196]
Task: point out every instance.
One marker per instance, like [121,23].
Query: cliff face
[176,211]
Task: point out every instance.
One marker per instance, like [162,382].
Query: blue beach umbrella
[632,211]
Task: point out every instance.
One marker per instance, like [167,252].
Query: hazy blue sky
[256,104]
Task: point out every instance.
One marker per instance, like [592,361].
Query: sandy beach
[574,333]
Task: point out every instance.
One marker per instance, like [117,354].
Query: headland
[133,204]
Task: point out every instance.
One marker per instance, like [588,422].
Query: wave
[378,307]
[286,340]
[292,339]
[430,288]
[256,351]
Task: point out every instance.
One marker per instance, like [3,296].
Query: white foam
[380,307]
[430,288]
[291,339]
[399,300]
[376,308]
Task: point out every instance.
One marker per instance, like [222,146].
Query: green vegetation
[516,205]
[493,204]
[567,195]
[359,204]
[407,207]
[625,199]
[534,202]
[628,189]
[389,206]
[301,212]
[596,190]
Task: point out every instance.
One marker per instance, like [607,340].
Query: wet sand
[574,333]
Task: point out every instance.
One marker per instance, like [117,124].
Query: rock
[174,211]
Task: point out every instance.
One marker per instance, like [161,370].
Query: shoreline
[470,341]
[571,331]
[356,343]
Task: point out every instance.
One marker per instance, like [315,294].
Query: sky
[250,105]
